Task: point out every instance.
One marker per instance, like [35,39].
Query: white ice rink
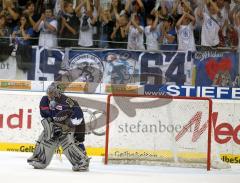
[14,169]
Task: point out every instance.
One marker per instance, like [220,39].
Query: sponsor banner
[9,69]
[230,158]
[20,120]
[15,84]
[78,87]
[121,89]
[37,86]
[216,68]
[182,127]
[164,155]
[158,122]
[13,147]
[75,87]
[193,91]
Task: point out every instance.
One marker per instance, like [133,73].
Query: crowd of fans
[128,24]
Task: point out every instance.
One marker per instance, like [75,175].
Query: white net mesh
[158,131]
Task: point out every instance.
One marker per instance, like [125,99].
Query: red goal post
[209,120]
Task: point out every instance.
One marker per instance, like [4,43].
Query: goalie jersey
[63,103]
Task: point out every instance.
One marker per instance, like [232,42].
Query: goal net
[173,131]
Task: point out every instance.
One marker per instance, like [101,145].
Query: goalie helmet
[54,91]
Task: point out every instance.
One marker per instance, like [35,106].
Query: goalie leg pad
[48,127]
[74,153]
[37,149]
[43,154]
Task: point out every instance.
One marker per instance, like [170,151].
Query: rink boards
[20,126]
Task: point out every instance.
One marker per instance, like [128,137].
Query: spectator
[47,25]
[69,26]
[181,6]
[236,21]
[210,27]
[168,35]
[11,13]
[105,4]
[87,19]
[1,5]
[30,11]
[23,32]
[231,38]
[116,8]
[185,26]
[198,24]
[223,7]
[234,7]
[223,20]
[161,8]
[194,4]
[135,34]
[119,34]
[22,37]
[152,32]
[105,25]
[22,4]
[59,7]
[33,18]
[5,47]
[151,5]
[136,7]
[4,31]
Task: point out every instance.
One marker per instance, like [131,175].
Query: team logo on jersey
[59,107]
[70,102]
[185,33]
[209,23]
[87,67]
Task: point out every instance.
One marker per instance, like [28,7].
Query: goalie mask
[53,91]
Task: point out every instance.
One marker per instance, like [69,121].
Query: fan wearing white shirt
[152,32]
[184,27]
[135,34]
[210,27]
[47,25]
[87,19]
[224,12]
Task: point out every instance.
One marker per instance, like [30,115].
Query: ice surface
[14,169]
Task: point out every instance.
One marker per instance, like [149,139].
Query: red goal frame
[166,97]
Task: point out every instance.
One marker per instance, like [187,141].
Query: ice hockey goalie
[63,124]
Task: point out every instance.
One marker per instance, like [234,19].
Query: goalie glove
[76,122]
[72,123]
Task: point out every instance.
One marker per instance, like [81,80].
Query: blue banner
[114,66]
[46,65]
[216,68]
[193,91]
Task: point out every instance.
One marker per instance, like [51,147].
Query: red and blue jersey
[62,104]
